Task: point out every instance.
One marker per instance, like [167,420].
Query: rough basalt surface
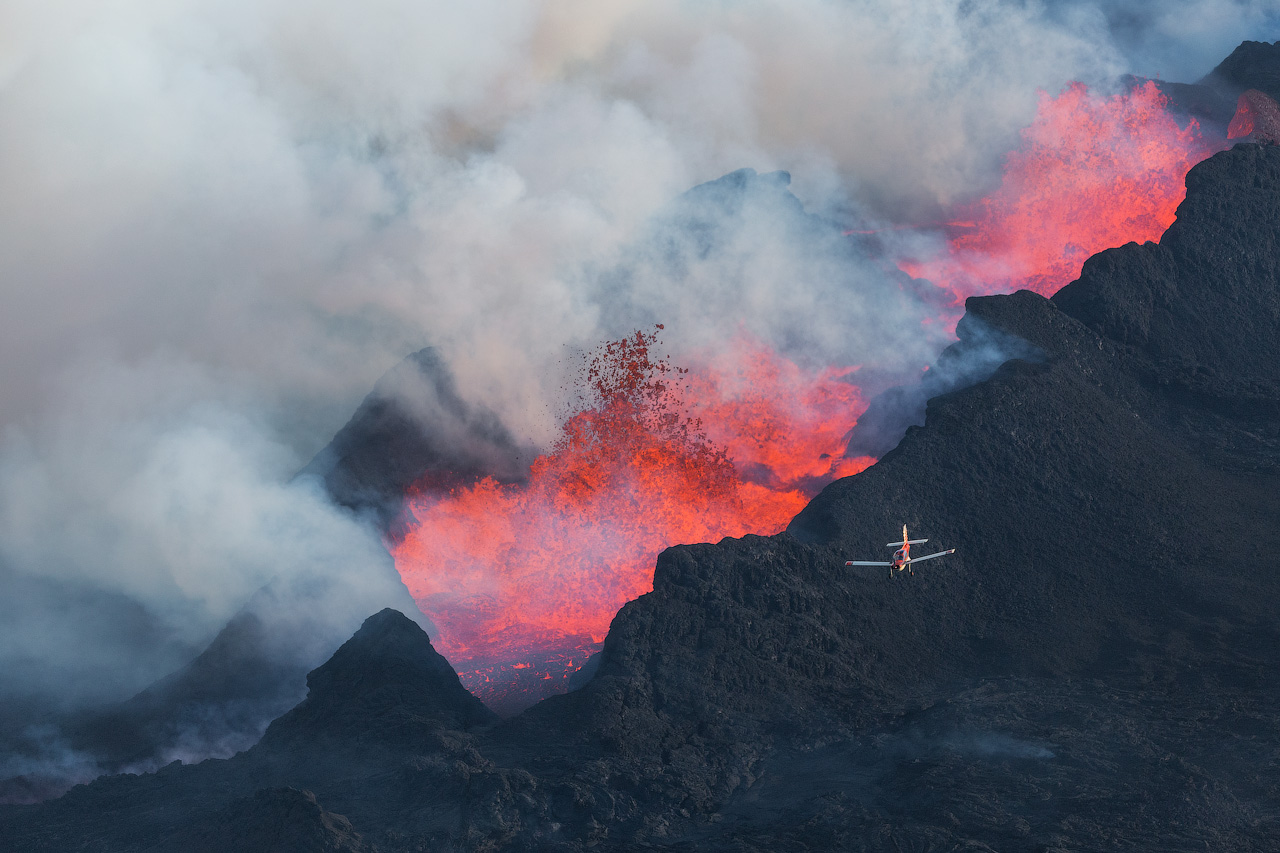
[384,685]
[273,820]
[1094,669]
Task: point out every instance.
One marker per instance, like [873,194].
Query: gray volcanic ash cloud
[221,222]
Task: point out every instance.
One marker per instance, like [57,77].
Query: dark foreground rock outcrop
[385,686]
[1094,669]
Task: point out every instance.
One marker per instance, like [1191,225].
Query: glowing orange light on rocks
[1093,172]
[661,455]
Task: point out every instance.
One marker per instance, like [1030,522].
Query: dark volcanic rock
[1252,65]
[220,703]
[386,685]
[414,428]
[1101,538]
[274,820]
[1213,100]
[979,352]
[383,722]
[1200,313]
[1204,303]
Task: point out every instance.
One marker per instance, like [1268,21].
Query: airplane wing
[865,563]
[930,556]
[898,544]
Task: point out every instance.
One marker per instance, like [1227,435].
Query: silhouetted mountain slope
[1252,65]
[1094,668]
[218,704]
[1212,100]
[385,684]
[228,693]
[385,696]
[412,425]
[980,350]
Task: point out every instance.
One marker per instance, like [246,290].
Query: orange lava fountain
[523,580]
[527,577]
[1093,172]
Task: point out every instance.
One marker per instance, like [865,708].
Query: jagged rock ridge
[385,683]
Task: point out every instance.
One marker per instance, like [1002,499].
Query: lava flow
[523,580]
[1093,172]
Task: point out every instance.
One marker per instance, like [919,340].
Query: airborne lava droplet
[659,455]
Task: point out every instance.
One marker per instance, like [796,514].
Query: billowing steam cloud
[222,221]
[1178,40]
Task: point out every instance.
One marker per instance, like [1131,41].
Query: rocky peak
[387,684]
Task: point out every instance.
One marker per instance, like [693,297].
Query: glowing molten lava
[1258,116]
[1093,172]
[523,580]
[528,577]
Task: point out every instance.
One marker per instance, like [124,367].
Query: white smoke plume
[222,221]
[145,516]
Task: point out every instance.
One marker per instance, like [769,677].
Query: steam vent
[572,576]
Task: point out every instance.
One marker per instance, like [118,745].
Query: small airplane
[902,558]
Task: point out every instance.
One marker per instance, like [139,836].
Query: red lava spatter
[659,455]
[523,580]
